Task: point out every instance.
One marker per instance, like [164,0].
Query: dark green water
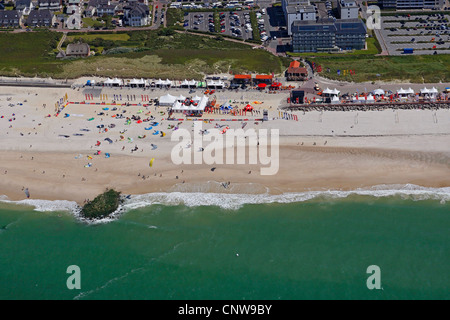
[306,250]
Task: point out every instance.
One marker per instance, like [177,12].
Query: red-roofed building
[296,73]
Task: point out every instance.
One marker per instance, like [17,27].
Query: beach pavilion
[330,93]
[404,94]
[378,92]
[188,84]
[136,83]
[195,105]
[167,100]
[113,82]
[163,83]
[215,84]
[429,93]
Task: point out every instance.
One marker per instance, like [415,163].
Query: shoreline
[64,178]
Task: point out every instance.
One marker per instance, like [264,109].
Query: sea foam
[232,201]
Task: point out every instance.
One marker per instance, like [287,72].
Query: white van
[263,11]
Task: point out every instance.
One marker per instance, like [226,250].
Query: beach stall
[163,83]
[184,84]
[167,100]
[116,82]
[369,99]
[330,93]
[136,83]
[378,92]
[194,106]
[429,93]
[211,84]
[108,82]
[90,83]
[334,100]
[404,94]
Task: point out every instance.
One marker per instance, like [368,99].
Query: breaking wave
[235,201]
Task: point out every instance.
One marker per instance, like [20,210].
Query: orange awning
[263,77]
[242,76]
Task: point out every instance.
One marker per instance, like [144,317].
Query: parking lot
[232,23]
[426,34]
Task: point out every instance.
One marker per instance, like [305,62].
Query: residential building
[78,50]
[24,6]
[52,5]
[90,11]
[328,35]
[41,18]
[348,9]
[73,6]
[103,7]
[10,18]
[136,15]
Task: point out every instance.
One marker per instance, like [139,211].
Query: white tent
[429,92]
[330,92]
[192,83]
[404,92]
[335,92]
[181,98]
[108,82]
[378,92]
[201,104]
[215,84]
[370,98]
[117,82]
[167,100]
[136,83]
[185,83]
[334,100]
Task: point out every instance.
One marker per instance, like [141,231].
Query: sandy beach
[322,150]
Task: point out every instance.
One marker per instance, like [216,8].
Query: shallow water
[310,248]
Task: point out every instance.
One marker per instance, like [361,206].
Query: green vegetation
[104,36]
[102,206]
[414,68]
[162,53]
[29,53]
[254,22]
[174,16]
[89,22]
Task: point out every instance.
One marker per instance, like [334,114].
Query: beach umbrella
[262,85]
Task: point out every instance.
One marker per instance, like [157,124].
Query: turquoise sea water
[314,249]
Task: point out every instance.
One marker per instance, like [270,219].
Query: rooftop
[301,9]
